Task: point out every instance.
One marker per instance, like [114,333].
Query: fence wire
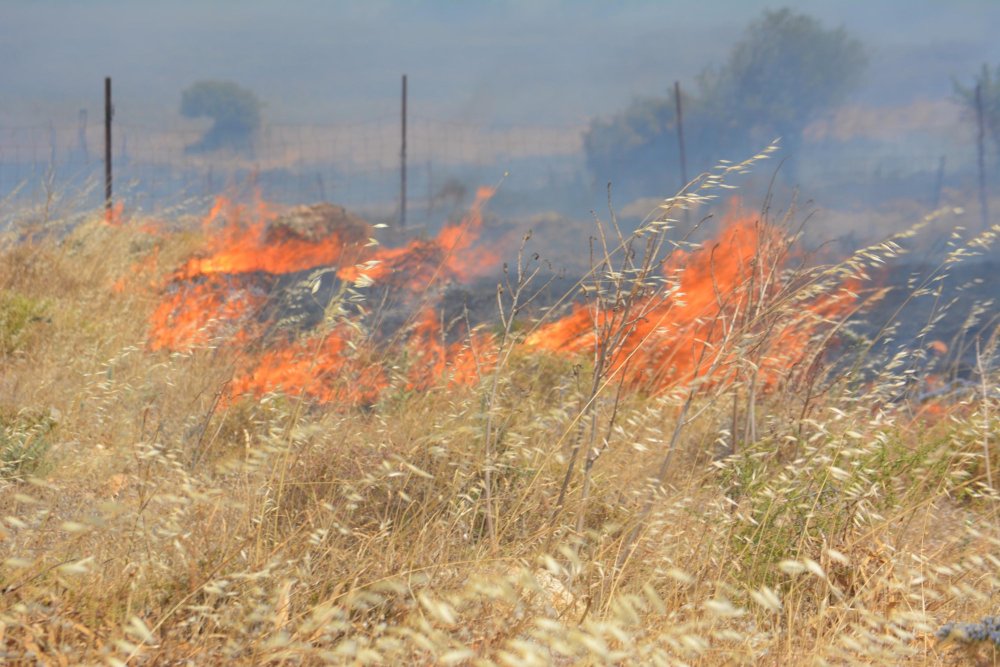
[358,165]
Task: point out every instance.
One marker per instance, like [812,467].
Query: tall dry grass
[544,516]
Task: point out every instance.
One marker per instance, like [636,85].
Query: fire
[452,254]
[195,313]
[327,369]
[730,308]
[344,368]
[460,363]
[114,216]
[725,304]
[223,294]
[253,246]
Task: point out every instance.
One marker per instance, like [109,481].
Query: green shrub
[17,315]
[24,444]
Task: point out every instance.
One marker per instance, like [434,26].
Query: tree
[989,84]
[635,142]
[785,71]
[234,110]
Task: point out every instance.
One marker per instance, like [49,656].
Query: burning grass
[675,470]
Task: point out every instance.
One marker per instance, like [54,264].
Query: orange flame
[723,308]
[341,368]
[451,254]
[246,247]
[326,370]
[196,313]
[461,363]
[679,335]
[114,216]
[221,295]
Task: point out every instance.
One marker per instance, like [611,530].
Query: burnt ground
[923,307]
[927,306]
[935,314]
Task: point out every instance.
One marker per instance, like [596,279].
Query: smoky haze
[510,62]
[493,87]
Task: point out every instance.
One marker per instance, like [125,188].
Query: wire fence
[358,165]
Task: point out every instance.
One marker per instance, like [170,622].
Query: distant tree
[785,71]
[631,148]
[234,110]
[989,83]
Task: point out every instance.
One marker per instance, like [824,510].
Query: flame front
[222,296]
[197,312]
[726,300]
[327,370]
[726,307]
[451,255]
[245,246]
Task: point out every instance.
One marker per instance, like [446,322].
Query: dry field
[269,440]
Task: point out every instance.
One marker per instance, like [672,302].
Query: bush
[785,71]
[24,443]
[17,315]
[234,110]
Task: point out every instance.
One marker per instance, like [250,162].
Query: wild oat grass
[146,521]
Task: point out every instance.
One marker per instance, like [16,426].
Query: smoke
[494,88]
[549,62]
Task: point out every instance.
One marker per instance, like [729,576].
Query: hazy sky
[549,62]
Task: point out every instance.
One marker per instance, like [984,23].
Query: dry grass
[145,522]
